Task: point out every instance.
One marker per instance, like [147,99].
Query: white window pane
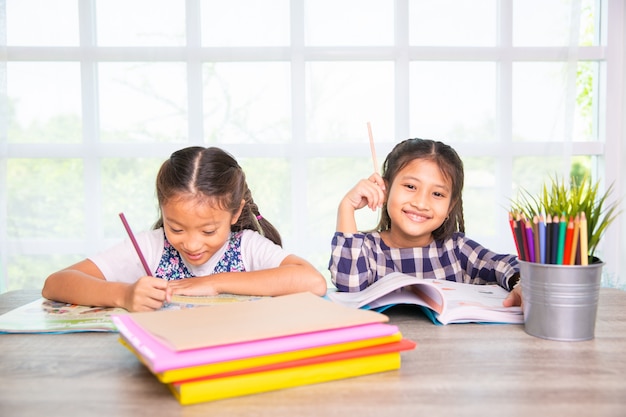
[45,198]
[141,22]
[332,179]
[143,102]
[452,22]
[585,116]
[341,97]
[247,102]
[245,23]
[532,172]
[46,101]
[349,22]
[453,101]
[55,22]
[539,93]
[481,201]
[128,185]
[545,22]
[30,271]
[269,180]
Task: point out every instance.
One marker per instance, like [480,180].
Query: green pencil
[561,243]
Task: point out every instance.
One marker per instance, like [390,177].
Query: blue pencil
[555,239]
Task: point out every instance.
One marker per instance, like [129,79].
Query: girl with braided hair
[210,239]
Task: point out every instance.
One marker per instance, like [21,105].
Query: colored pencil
[536,237]
[556,225]
[574,250]
[542,239]
[548,239]
[569,237]
[372,147]
[520,237]
[561,243]
[134,241]
[584,256]
[513,225]
[530,241]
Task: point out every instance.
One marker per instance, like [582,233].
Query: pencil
[372,147]
[530,241]
[573,259]
[134,241]
[569,237]
[555,239]
[584,256]
[542,239]
[514,226]
[536,237]
[519,232]
[548,239]
[561,243]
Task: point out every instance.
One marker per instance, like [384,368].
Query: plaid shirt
[359,259]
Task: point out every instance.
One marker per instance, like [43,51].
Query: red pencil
[569,237]
[514,226]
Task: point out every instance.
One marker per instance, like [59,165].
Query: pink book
[159,358]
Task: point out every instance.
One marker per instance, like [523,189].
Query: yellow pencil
[584,256]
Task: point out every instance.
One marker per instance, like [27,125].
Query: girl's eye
[212,232]
[410,186]
[437,194]
[176,230]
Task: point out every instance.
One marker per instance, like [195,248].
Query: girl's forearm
[346,222]
[76,287]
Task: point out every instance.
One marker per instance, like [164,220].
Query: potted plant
[556,233]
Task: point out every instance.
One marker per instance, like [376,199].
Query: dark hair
[451,168]
[214,175]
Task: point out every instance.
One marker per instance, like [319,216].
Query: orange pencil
[574,251]
[569,235]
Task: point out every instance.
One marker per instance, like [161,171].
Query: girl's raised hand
[368,192]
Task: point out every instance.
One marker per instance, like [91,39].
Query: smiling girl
[421,230]
[210,239]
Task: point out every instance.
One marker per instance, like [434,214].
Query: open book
[443,301]
[47,316]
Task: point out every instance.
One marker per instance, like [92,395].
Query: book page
[375,291]
[46,316]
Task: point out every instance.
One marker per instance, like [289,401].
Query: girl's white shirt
[121,262]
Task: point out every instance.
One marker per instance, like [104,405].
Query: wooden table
[456,370]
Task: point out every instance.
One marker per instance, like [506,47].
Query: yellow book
[235,365]
[210,389]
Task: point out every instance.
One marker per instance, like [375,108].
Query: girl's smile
[418,202]
[196,228]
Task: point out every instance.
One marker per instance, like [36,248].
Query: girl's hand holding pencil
[368,192]
[148,293]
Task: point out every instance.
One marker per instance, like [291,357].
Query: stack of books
[223,351]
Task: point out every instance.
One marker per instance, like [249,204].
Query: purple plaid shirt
[360,259]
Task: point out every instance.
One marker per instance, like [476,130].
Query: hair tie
[259,217]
